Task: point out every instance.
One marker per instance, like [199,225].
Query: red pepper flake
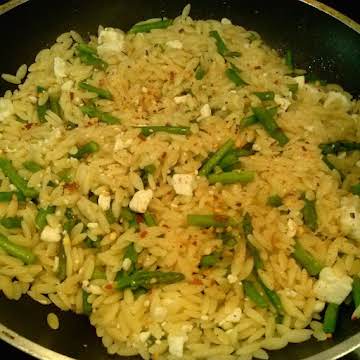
[172,75]
[196,281]
[28,126]
[139,218]
[108,286]
[221,218]
[143,234]
[73,186]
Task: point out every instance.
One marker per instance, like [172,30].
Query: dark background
[348,7]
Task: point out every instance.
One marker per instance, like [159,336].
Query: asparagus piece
[87,308]
[227,238]
[98,274]
[131,254]
[330,318]
[210,220]
[177,130]
[147,279]
[253,294]
[252,119]
[129,216]
[356,290]
[55,105]
[148,26]
[11,222]
[234,76]
[265,95]
[40,219]
[306,260]
[210,260]
[102,93]
[220,44]
[273,297]
[248,230]
[274,201]
[199,72]
[232,157]
[149,219]
[309,214]
[338,147]
[94,112]
[89,56]
[232,177]
[89,148]
[10,172]
[216,158]
[270,125]
[32,166]
[355,189]
[20,252]
[6,196]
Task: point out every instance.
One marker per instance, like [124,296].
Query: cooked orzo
[184,186]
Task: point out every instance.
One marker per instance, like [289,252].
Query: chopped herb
[274,201]
[265,95]
[210,260]
[102,93]
[94,112]
[89,148]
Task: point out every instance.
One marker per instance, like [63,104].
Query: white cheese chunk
[181,99]
[332,286]
[59,68]
[50,234]
[175,44]
[183,184]
[283,102]
[6,108]
[205,111]
[110,42]
[176,345]
[233,317]
[350,217]
[104,201]
[141,200]
[300,80]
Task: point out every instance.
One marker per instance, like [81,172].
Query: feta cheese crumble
[141,200]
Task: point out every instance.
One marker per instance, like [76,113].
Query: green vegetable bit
[89,56]
[232,177]
[65,175]
[274,201]
[228,239]
[265,118]
[339,147]
[234,76]
[214,160]
[21,184]
[32,166]
[330,318]
[265,95]
[306,260]
[148,26]
[110,216]
[210,260]
[102,93]
[147,279]
[212,220]
[70,222]
[61,270]
[176,130]
[231,159]
[149,219]
[355,189]
[220,44]
[309,214]
[129,216]
[356,290]
[248,230]
[94,112]
[40,219]
[273,297]
[6,196]
[254,295]
[90,243]
[11,222]
[55,105]
[89,148]
[98,275]
[199,72]
[252,119]
[87,308]
[293,88]
[131,254]
[20,252]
